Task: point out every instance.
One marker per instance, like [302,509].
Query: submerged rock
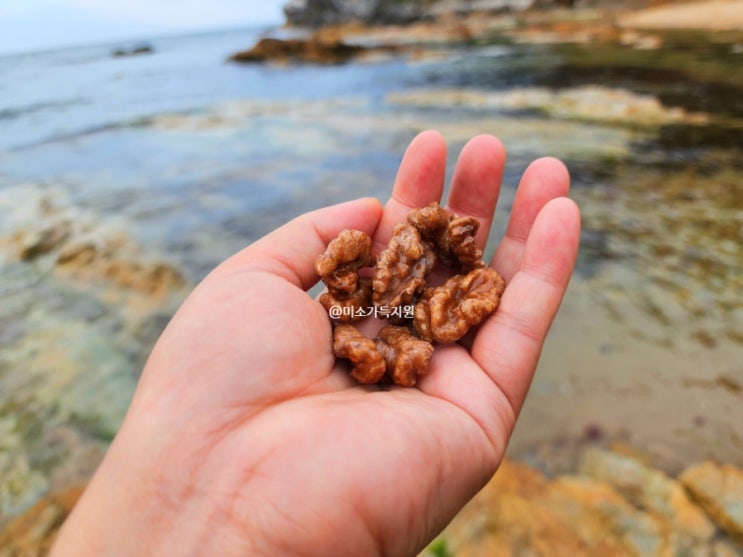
[80,246]
[32,534]
[593,103]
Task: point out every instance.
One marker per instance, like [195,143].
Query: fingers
[476,182]
[508,344]
[419,181]
[543,180]
[290,251]
[475,185]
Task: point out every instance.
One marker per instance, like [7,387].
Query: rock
[32,533]
[718,488]
[20,482]
[137,50]
[520,512]
[590,103]
[616,505]
[81,246]
[318,13]
[310,50]
[115,260]
[653,491]
[34,243]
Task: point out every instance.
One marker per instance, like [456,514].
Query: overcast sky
[40,24]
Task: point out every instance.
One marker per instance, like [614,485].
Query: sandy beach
[720,15]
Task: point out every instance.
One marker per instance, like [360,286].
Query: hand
[245,437]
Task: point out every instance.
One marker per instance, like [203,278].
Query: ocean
[124,180]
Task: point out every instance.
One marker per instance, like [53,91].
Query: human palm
[246,437]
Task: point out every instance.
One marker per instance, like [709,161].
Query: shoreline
[548,25]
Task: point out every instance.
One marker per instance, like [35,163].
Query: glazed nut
[368,363]
[402,268]
[446,313]
[407,357]
[349,307]
[453,236]
[339,265]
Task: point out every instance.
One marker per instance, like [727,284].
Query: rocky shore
[615,504]
[84,302]
[654,366]
[339,32]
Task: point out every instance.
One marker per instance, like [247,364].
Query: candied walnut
[447,312]
[454,236]
[338,266]
[406,356]
[349,307]
[422,315]
[458,243]
[402,268]
[368,363]
[443,314]
[430,220]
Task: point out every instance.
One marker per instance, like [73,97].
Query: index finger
[419,181]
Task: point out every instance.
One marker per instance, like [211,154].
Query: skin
[245,437]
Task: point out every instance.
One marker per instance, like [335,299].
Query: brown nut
[443,314]
[446,313]
[458,243]
[368,363]
[429,220]
[349,307]
[454,236]
[402,268]
[339,265]
[406,356]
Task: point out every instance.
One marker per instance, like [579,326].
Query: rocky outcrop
[78,245]
[32,534]
[310,50]
[719,491]
[318,13]
[616,505]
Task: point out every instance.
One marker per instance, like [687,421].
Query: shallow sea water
[180,159]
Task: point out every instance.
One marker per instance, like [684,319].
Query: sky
[27,25]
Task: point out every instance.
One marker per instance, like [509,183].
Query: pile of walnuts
[437,314]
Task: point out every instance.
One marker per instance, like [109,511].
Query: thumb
[290,251]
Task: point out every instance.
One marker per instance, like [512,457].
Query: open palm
[246,437]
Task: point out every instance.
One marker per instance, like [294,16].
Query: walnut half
[406,355]
[348,295]
[339,265]
[368,364]
[446,313]
[402,268]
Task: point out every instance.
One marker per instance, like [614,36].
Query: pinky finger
[508,344]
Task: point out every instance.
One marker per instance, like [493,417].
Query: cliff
[317,13]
